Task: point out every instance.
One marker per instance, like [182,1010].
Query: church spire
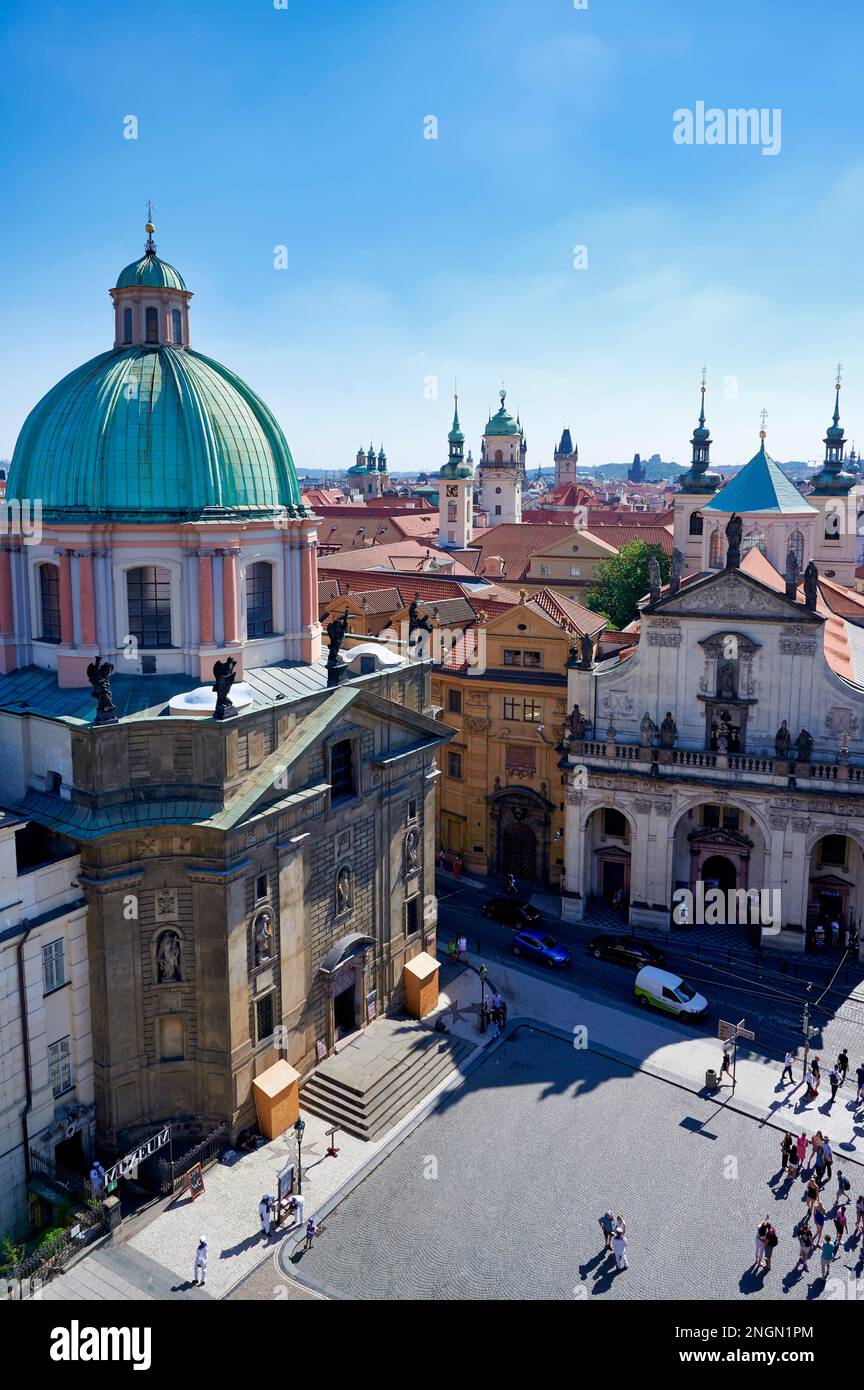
[832,477]
[697,478]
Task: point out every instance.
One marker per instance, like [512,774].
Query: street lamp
[298,1130]
[482,973]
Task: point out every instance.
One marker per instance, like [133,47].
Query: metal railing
[23,1280]
[206,1152]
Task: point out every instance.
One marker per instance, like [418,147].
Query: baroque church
[724,747]
[256,861]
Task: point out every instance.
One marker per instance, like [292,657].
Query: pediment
[732,594]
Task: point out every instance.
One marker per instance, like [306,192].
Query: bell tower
[695,488]
[456,492]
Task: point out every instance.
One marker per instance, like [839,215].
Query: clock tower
[456,492]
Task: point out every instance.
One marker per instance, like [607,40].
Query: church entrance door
[520,851]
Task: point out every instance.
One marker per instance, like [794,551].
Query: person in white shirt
[619,1248]
[200,1262]
[787,1066]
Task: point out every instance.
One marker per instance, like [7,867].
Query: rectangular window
[531,711]
[176,325]
[264,1016]
[53,966]
[545,571]
[260,887]
[497,511]
[454,764]
[512,658]
[148,595]
[454,701]
[510,709]
[60,1065]
[451,512]
[412,810]
[575,571]
[259,600]
[412,916]
[151,320]
[532,658]
[49,596]
[342,770]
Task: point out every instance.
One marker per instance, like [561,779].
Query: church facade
[725,748]
[257,874]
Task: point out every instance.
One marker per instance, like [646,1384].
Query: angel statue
[99,676]
[224,676]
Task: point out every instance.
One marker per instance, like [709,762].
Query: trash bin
[711,1079]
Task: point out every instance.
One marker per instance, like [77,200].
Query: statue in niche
[726,680]
[343,890]
[668,731]
[168,959]
[577,723]
[411,855]
[263,933]
[783,739]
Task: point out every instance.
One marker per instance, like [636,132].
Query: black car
[625,950]
[510,912]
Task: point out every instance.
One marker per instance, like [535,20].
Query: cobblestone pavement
[497,1194]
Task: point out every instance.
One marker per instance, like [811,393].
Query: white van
[667,991]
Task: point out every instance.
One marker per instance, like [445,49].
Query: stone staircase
[375,1080]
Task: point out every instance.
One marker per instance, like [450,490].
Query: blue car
[539,946]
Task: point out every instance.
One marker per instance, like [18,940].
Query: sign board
[131,1161]
[285,1182]
[195,1180]
[320,1049]
[725,1031]
[746,1033]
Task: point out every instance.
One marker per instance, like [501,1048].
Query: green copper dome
[150,271]
[153,434]
[502,421]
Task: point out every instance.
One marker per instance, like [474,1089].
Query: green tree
[619,582]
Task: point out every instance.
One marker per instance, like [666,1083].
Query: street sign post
[731,1032]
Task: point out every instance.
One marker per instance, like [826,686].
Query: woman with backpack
[805,1246]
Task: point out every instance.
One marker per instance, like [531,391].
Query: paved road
[771,1001]
[497,1194]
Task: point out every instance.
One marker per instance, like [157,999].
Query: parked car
[663,990]
[625,950]
[540,946]
[510,912]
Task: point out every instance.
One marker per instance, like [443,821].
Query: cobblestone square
[497,1194]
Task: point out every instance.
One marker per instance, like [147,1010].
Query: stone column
[88,598]
[230,616]
[205,597]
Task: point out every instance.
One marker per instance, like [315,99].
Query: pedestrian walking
[442,860]
[859,1214]
[311,1233]
[819,1217]
[815,1145]
[840,1223]
[842,1063]
[801,1146]
[606,1222]
[835,934]
[828,1155]
[810,1082]
[511,886]
[829,1250]
[844,1187]
[817,1072]
[265,1213]
[834,1081]
[819,1167]
[812,1194]
[786,1144]
[787,1066]
[725,1066]
[771,1241]
[457,866]
[97,1178]
[859,1077]
[200,1263]
[619,1247]
[461,947]
[805,1247]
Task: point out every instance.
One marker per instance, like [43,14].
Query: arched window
[499,455]
[152,321]
[127,325]
[697,521]
[176,326]
[796,545]
[49,602]
[148,596]
[259,599]
[755,541]
[715,551]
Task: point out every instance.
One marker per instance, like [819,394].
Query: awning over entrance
[345,947]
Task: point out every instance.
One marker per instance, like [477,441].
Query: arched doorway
[520,833]
[607,857]
[835,891]
[719,872]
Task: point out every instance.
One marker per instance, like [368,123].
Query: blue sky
[411,259]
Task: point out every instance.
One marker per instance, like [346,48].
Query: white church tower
[696,488]
[502,467]
[456,493]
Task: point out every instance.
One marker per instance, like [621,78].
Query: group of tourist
[614,1230]
[810,1231]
